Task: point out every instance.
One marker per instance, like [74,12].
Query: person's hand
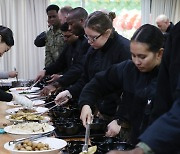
[63,97]
[86,115]
[54,77]
[47,90]
[40,75]
[134,151]
[12,74]
[22,100]
[113,129]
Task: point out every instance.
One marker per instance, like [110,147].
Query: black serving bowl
[97,140]
[75,110]
[75,148]
[98,124]
[121,146]
[72,128]
[60,127]
[68,127]
[61,112]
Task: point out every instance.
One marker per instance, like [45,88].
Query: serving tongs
[33,85]
[85,146]
[16,75]
[48,109]
[51,107]
[31,138]
[36,97]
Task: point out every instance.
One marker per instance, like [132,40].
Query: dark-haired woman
[135,79]
[107,48]
[6,42]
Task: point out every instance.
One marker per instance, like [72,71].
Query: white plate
[31,128]
[38,110]
[23,89]
[35,103]
[46,119]
[54,143]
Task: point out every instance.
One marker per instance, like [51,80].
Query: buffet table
[6,137]
[3,122]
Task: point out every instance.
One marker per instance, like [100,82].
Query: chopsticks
[31,138]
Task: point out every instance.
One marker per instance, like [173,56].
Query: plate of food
[24,90]
[46,145]
[35,103]
[21,117]
[24,110]
[29,128]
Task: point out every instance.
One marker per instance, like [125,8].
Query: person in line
[66,61]
[107,48]
[75,21]
[162,136]
[6,42]
[63,13]
[54,38]
[135,80]
[40,40]
[164,25]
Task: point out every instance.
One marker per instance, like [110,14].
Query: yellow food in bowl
[28,145]
[91,150]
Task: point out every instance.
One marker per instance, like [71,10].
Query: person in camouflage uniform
[54,37]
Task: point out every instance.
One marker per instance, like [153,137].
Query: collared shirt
[54,46]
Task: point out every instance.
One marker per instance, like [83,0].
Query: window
[128,12]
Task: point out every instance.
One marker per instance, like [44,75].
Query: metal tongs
[32,85]
[16,75]
[85,146]
[31,138]
[49,108]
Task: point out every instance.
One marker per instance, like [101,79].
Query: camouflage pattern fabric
[54,46]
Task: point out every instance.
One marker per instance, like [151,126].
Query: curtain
[145,9]
[171,8]
[27,19]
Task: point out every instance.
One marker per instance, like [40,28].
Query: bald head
[63,13]
[162,22]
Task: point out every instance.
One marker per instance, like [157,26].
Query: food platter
[36,110]
[27,117]
[24,89]
[35,103]
[54,144]
[30,128]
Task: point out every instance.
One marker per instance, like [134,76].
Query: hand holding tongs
[31,138]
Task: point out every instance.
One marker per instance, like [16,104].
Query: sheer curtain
[26,18]
[171,8]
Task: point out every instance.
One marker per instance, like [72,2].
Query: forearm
[4,75]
